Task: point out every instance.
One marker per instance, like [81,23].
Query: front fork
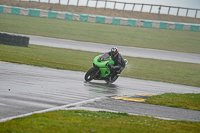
[96,75]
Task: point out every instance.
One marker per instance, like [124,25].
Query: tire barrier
[14,40]
[1,38]
[99,19]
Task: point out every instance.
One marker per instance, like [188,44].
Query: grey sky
[178,3]
[181,3]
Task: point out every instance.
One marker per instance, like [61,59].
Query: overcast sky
[180,3]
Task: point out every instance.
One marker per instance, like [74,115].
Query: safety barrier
[14,40]
[99,19]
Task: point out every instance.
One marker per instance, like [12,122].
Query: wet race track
[25,89]
[126,51]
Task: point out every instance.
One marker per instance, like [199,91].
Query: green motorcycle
[101,70]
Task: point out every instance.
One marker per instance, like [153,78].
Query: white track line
[97,109]
[51,109]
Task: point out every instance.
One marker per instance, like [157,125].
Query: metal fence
[150,8]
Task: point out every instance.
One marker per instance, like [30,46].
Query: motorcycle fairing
[105,71]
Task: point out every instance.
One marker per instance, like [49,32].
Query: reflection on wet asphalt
[25,89]
[102,88]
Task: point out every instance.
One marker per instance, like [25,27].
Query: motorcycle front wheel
[90,75]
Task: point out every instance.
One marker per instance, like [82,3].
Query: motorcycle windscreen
[102,63]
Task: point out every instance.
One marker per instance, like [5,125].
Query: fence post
[68,2]
[177,11]
[77,2]
[106,4]
[169,9]
[114,5]
[124,6]
[87,3]
[96,4]
[187,12]
[196,13]
[142,7]
[150,9]
[159,10]
[133,6]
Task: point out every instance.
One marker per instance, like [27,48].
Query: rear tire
[114,78]
[90,75]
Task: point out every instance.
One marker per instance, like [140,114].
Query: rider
[119,64]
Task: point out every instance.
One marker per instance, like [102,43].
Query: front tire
[90,75]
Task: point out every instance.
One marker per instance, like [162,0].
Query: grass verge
[150,69]
[187,101]
[104,122]
[173,40]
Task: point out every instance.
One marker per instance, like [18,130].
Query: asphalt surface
[27,89]
[135,108]
[125,51]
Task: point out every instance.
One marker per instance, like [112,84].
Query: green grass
[173,40]
[150,69]
[187,101]
[101,122]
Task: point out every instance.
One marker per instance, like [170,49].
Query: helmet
[114,51]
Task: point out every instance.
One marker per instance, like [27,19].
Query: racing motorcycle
[102,69]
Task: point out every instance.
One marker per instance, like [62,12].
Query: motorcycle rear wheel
[90,75]
[113,79]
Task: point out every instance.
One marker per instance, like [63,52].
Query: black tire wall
[14,40]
